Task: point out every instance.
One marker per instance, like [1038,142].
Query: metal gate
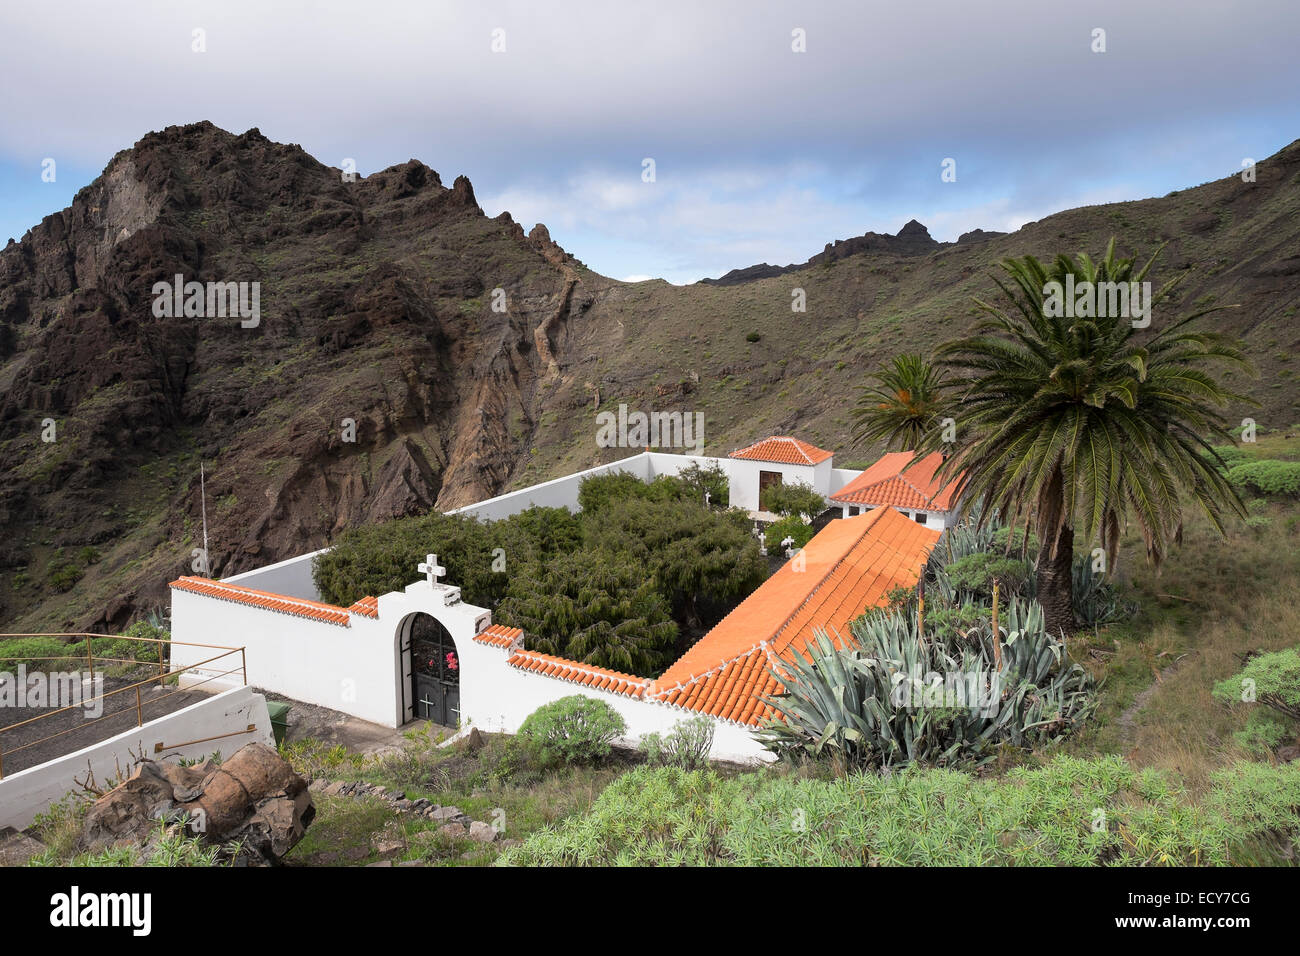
[431,672]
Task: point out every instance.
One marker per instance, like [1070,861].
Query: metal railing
[90,660]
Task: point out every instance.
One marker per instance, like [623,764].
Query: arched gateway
[430,670]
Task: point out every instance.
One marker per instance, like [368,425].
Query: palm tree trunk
[1056,582]
[1055,557]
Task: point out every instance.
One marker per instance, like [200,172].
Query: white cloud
[761,153]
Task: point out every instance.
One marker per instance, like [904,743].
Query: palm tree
[906,402]
[1082,424]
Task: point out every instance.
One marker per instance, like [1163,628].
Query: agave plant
[893,696]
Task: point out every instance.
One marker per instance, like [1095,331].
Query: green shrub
[1270,679]
[753,337]
[598,491]
[376,559]
[712,479]
[702,561]
[595,607]
[792,499]
[1267,477]
[975,573]
[1264,732]
[1071,812]
[574,729]
[789,527]
[686,746]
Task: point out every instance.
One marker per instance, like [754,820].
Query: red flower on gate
[452,663]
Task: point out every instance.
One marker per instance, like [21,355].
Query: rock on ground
[254,797]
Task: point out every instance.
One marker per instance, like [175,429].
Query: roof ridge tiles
[270,601]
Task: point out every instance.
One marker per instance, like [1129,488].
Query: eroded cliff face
[379,380]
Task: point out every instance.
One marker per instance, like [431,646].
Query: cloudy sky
[761,153]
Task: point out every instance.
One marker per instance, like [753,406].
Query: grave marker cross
[430,569]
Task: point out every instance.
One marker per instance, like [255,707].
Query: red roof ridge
[728,675]
[576,672]
[810,453]
[871,486]
[270,601]
[500,635]
[368,606]
[869,521]
[656,691]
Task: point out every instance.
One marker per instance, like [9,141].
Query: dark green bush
[789,527]
[594,607]
[1267,477]
[792,499]
[574,729]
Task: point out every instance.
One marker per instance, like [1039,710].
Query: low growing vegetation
[1072,812]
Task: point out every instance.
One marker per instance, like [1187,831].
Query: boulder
[254,798]
[482,832]
[448,814]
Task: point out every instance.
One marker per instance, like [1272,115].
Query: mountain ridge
[377,307]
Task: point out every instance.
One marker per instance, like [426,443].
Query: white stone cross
[707,496]
[429,567]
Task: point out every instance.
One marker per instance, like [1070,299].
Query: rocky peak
[463,192]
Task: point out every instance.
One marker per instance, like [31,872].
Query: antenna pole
[203,496]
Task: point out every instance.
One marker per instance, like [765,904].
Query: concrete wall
[937,520]
[563,492]
[357,669]
[291,577]
[840,477]
[557,493]
[744,479]
[354,668]
[509,695]
[28,792]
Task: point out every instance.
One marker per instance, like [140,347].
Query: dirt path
[309,721]
[1128,719]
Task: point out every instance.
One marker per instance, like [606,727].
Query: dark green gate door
[435,672]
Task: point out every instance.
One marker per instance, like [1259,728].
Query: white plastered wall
[744,479]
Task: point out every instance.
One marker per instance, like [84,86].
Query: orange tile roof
[299,607]
[851,565]
[895,481]
[784,450]
[588,675]
[367,606]
[499,635]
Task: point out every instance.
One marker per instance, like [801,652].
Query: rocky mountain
[411,352]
